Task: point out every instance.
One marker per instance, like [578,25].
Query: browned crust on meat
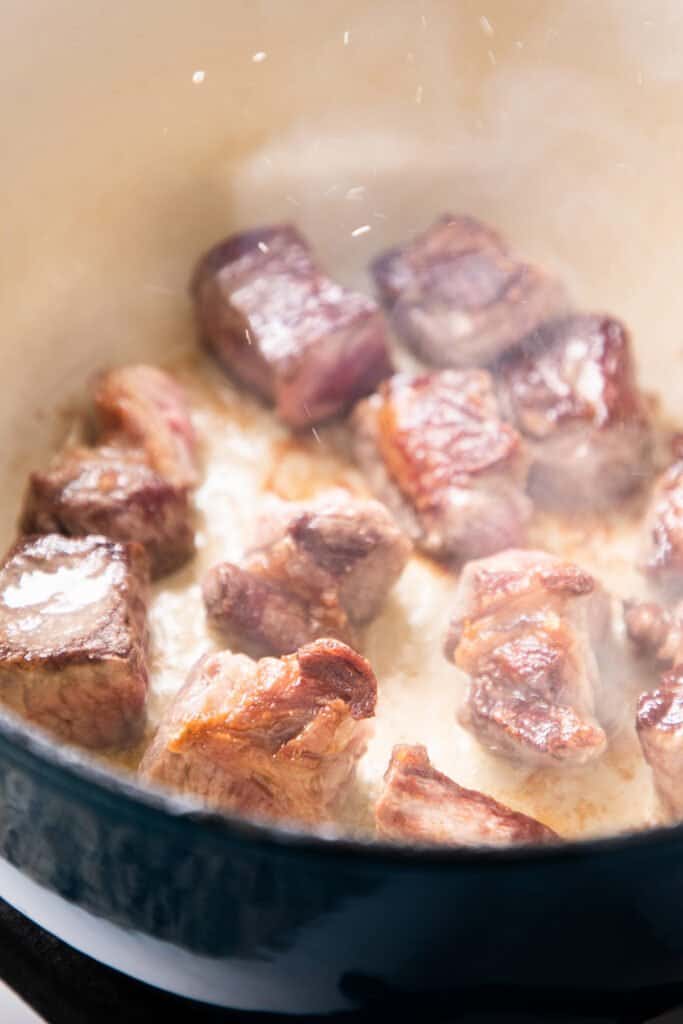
[278,738]
[145,407]
[439,430]
[420,804]
[514,723]
[543,376]
[662,709]
[114,492]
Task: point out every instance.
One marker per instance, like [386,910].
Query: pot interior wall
[136,134]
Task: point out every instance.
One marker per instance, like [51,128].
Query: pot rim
[70,769]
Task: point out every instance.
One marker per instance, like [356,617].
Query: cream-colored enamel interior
[136,135]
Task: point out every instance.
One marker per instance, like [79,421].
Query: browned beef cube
[458,298]
[435,450]
[533,634]
[73,637]
[112,491]
[144,407]
[419,804]
[283,328]
[277,738]
[659,722]
[571,392]
[318,568]
[662,544]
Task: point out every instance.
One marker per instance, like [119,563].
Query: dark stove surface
[66,987]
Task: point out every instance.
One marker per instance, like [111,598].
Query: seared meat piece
[73,637]
[277,738]
[660,729]
[526,629]
[276,322]
[144,407]
[655,632]
[319,568]
[112,491]
[136,484]
[571,392]
[458,298]
[434,448]
[662,548]
[421,805]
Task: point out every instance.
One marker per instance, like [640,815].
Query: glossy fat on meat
[456,296]
[283,328]
[317,568]
[275,738]
[419,804]
[571,391]
[434,448]
[112,491]
[146,408]
[533,635]
[73,637]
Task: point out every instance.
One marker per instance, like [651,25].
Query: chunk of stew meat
[136,483]
[73,637]
[419,804]
[458,298]
[434,448]
[317,568]
[571,391]
[533,635]
[276,738]
[276,322]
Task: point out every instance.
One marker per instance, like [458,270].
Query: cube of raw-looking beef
[659,721]
[457,297]
[571,391]
[317,568]
[276,738]
[434,448]
[144,407]
[73,637]
[533,633]
[662,541]
[136,484]
[419,804]
[275,321]
[112,491]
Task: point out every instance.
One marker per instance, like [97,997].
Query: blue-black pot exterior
[602,916]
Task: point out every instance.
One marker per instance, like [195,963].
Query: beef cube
[659,722]
[571,392]
[112,491]
[73,637]
[284,329]
[662,543]
[277,738]
[318,568]
[533,634]
[435,450]
[144,407]
[419,804]
[457,297]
